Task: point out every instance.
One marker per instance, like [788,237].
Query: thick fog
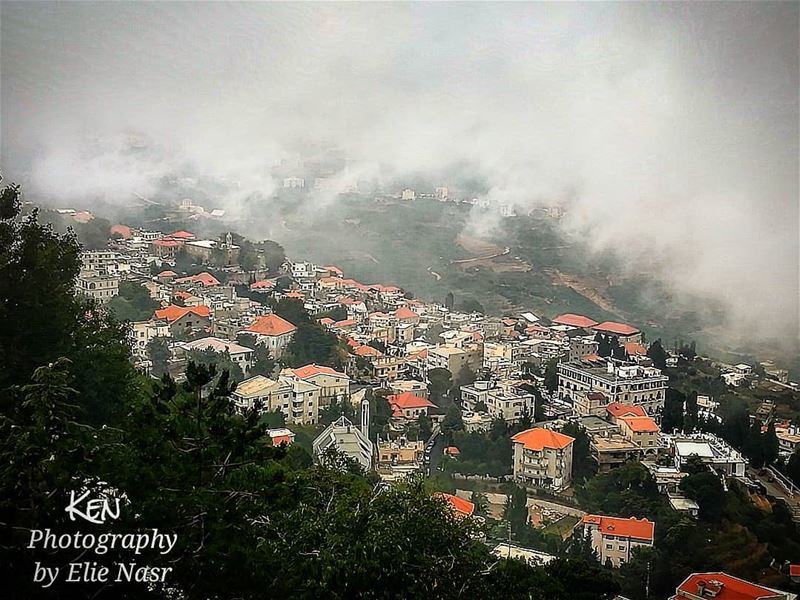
[669,130]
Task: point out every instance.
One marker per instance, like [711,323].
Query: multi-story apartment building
[624,383]
[143,332]
[456,359]
[332,383]
[502,401]
[99,287]
[298,400]
[543,458]
[613,538]
[240,355]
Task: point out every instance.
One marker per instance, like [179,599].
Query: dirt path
[589,289]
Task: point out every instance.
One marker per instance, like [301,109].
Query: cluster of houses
[395,341]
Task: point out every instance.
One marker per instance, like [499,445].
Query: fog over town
[669,132]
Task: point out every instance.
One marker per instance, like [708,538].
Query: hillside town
[512,418]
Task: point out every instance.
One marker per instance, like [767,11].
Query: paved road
[436,455]
[775,490]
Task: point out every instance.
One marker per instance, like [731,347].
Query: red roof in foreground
[724,587]
[271,325]
[173,313]
[405,313]
[408,400]
[641,424]
[640,529]
[616,328]
[634,348]
[794,570]
[574,320]
[539,438]
[459,505]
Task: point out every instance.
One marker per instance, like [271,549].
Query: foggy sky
[670,129]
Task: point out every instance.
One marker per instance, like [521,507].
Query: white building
[543,458]
[240,355]
[711,450]
[343,436]
[613,538]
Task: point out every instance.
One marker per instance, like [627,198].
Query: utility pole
[647,582]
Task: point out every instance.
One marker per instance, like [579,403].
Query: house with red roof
[461,508]
[332,383]
[409,406]
[262,285]
[721,586]
[184,320]
[406,315]
[272,331]
[573,320]
[203,279]
[543,458]
[186,236]
[614,538]
[624,333]
[165,248]
[281,435]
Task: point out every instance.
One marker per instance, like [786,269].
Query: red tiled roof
[167,274]
[405,313]
[271,325]
[181,295]
[204,279]
[641,424]
[408,400]
[326,321]
[173,313]
[298,295]
[640,529]
[459,505]
[181,235]
[794,570]
[634,348]
[333,269]
[262,284]
[616,328]
[311,370]
[367,351]
[539,438]
[167,243]
[619,410]
[727,587]
[574,320]
[591,358]
[452,451]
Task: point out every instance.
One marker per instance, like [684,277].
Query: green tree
[657,354]
[551,375]
[263,363]
[439,383]
[770,445]
[706,489]
[583,465]
[159,354]
[452,420]
[425,427]
[133,303]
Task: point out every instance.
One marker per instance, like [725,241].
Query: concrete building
[624,383]
[184,320]
[240,355]
[98,287]
[456,359]
[613,538]
[505,402]
[296,399]
[543,458]
[273,332]
[332,383]
[711,450]
[143,332]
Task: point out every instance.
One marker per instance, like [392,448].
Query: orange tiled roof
[616,328]
[459,505]
[641,424]
[408,400]
[574,320]
[311,370]
[262,284]
[181,235]
[271,325]
[634,348]
[724,587]
[405,313]
[367,351]
[640,529]
[204,279]
[172,312]
[539,438]
[619,410]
